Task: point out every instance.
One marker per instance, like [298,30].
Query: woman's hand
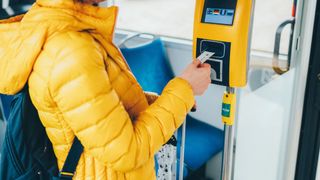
[198,76]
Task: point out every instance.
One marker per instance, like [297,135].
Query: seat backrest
[149,63]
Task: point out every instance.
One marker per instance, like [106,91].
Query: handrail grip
[276,52]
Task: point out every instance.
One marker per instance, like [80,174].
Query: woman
[81,86]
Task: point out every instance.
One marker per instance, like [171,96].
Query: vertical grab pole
[228,115]
[182,147]
[174,163]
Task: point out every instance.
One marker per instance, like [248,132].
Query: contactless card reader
[223,27]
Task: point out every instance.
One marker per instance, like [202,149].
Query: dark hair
[81,1]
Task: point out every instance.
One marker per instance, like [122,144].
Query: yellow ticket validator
[223,27]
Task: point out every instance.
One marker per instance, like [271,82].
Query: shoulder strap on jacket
[72,160]
[73,157]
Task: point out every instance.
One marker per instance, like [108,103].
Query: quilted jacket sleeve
[81,89]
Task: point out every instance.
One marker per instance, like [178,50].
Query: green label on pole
[226,109]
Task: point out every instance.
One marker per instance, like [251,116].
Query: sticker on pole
[226,110]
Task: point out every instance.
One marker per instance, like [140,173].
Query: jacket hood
[22,37]
[19,49]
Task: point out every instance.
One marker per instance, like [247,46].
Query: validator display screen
[219,11]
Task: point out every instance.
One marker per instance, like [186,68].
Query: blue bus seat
[202,143]
[149,63]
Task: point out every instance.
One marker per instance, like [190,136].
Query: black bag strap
[73,157]
[72,160]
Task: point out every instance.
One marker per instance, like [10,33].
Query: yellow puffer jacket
[81,86]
